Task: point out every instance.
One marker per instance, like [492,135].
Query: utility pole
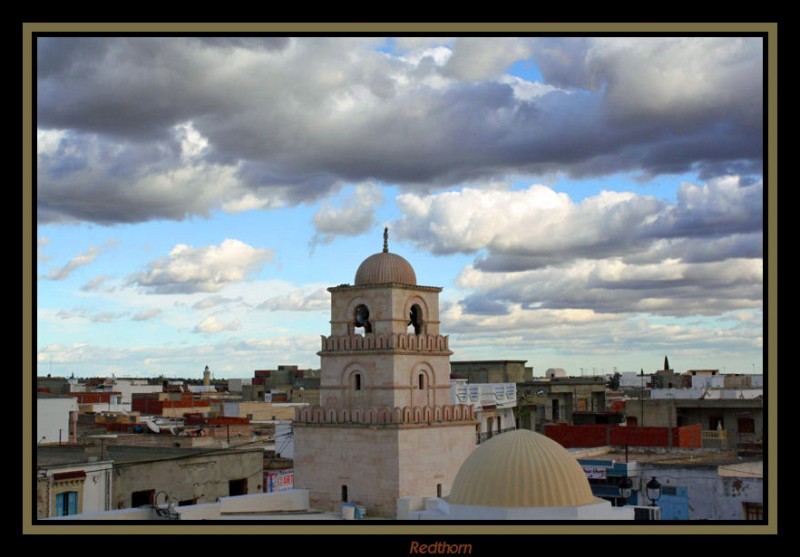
[641,397]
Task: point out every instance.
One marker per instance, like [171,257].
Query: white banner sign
[595,472]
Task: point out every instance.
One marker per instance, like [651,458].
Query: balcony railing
[485,436]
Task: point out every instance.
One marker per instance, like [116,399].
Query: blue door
[674,503]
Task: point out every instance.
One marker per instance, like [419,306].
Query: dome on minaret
[385,268]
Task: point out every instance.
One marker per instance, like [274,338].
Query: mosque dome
[521,468]
[385,268]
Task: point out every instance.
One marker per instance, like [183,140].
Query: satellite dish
[152,426]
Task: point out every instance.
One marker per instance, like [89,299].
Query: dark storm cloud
[250,43]
[285,120]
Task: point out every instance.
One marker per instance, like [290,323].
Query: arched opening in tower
[415,320]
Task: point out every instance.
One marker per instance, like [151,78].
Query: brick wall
[599,435]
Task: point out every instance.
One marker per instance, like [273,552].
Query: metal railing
[483,437]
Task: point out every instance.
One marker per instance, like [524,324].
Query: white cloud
[204,269]
[41,243]
[478,58]
[78,261]
[612,286]
[106,316]
[212,325]
[535,221]
[146,314]
[354,216]
[212,301]
[318,299]
[537,226]
[97,283]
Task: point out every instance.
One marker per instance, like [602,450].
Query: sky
[586,203]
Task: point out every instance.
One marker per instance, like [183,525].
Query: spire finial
[386,239]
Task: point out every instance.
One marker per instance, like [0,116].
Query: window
[237,487]
[67,503]
[716,422]
[357,381]
[344,494]
[415,320]
[186,502]
[753,511]
[421,381]
[361,323]
[439,491]
[143,498]
[747,425]
[555,410]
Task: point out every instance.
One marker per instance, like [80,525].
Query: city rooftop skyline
[587,203]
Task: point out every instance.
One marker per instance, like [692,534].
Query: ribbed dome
[521,468]
[384,268]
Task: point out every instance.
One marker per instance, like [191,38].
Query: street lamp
[625,489]
[653,490]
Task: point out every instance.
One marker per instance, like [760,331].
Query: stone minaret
[385,427]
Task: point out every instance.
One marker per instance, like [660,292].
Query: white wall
[632,379]
[52,415]
[438,509]
[701,381]
[710,394]
[128,387]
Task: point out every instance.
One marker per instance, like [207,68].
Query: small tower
[206,377]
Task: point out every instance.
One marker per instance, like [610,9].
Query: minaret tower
[206,377]
[385,427]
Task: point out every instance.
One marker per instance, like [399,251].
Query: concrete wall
[52,416]
[712,497]
[490,371]
[260,410]
[202,477]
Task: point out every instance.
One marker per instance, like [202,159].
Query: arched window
[421,379]
[357,381]
[361,323]
[415,320]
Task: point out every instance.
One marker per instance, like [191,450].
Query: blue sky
[586,203]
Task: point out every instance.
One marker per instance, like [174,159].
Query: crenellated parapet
[384,341]
[385,415]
